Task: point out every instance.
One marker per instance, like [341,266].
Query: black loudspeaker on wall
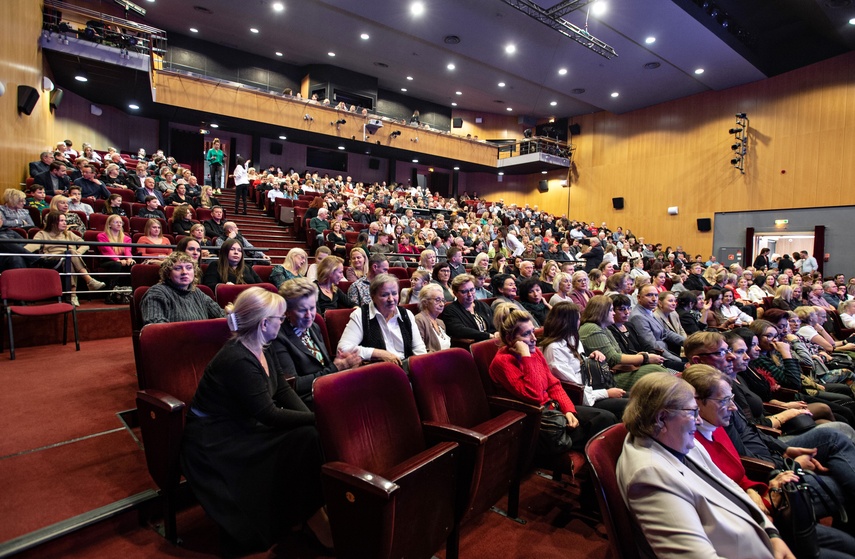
[457,123]
[27,99]
[704,224]
[373,164]
[617,203]
[543,186]
[575,129]
[275,148]
[56,98]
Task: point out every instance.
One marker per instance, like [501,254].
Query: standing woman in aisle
[215,159]
[241,175]
[246,428]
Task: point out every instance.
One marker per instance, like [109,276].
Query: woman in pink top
[153,235]
[119,259]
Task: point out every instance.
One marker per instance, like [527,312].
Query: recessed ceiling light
[213,125]
[598,8]
[278,6]
[650,40]
[283,137]
[404,89]
[543,172]
[278,53]
[81,78]
[193,30]
[562,71]
[458,93]
[417,8]
[501,173]
[133,106]
[553,103]
[852,21]
[501,84]
[699,71]
[510,49]
[253,30]
[453,104]
[330,54]
[450,66]
[364,37]
[510,108]
[340,147]
[410,78]
[615,94]
[415,160]
[457,168]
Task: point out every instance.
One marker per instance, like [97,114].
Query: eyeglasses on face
[694,412]
[722,402]
[718,353]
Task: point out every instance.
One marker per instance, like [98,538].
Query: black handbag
[596,374]
[799,424]
[554,436]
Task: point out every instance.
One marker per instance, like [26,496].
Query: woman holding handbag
[563,352]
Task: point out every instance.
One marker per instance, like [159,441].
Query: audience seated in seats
[55,179]
[299,347]
[330,272]
[149,189]
[381,330]
[467,318]
[295,265]
[441,276]
[480,277]
[56,229]
[244,428]
[152,235]
[13,212]
[19,257]
[119,259]
[693,308]
[151,209]
[182,220]
[547,277]
[179,197]
[232,232]
[42,165]
[192,247]
[358,265]
[135,180]
[337,239]
[320,253]
[581,294]
[114,206]
[230,267]
[682,501]
[431,328]
[531,298]
[505,289]
[562,285]
[205,199]
[113,177]
[564,353]
[75,204]
[359,291]
[75,223]
[846,310]
[653,335]
[214,227]
[175,298]
[90,185]
[418,281]
[601,322]
[521,370]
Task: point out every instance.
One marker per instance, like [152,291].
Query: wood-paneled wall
[801,146]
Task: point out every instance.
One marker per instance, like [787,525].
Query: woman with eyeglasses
[441,275]
[244,428]
[775,357]
[431,327]
[716,402]
[580,294]
[466,317]
[682,501]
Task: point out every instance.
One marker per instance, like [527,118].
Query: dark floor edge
[65,527]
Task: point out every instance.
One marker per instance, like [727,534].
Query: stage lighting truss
[740,143]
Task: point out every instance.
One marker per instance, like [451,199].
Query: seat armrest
[772,432]
[160,400]
[504,404]
[441,432]
[772,408]
[757,469]
[785,394]
[360,480]
[576,392]
[434,454]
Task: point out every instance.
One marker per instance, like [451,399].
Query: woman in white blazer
[685,505]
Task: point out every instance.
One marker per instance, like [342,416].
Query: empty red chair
[30,285]
[388,493]
[228,293]
[336,320]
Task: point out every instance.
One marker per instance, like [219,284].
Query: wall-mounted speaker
[543,186]
[275,148]
[617,203]
[575,129]
[704,224]
[373,164]
[27,99]
[457,123]
[56,98]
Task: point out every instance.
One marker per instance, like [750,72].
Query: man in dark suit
[135,180]
[695,281]
[55,180]
[42,165]
[148,189]
[299,347]
[91,186]
[594,257]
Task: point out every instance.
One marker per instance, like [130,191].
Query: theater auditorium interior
[721,128]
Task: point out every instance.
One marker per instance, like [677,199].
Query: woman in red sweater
[521,370]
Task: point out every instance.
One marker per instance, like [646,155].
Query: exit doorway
[780,243]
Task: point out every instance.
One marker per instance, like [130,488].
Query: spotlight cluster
[740,144]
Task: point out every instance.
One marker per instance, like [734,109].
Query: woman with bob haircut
[295,265]
[230,267]
[175,298]
[682,501]
[244,428]
[431,327]
[330,272]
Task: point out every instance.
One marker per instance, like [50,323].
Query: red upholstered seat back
[30,284]
[367,417]
[144,275]
[173,356]
[336,321]
[483,353]
[448,389]
[228,293]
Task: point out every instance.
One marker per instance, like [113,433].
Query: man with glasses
[823,451]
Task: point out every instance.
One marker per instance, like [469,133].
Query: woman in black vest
[381,330]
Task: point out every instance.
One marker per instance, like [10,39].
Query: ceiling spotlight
[340,147]
[456,168]
[458,93]
[278,53]
[735,147]
[852,21]
[404,89]
[283,137]
[543,172]
[510,108]
[451,66]
[307,116]
[735,160]
[510,49]
[562,71]
[453,104]
[213,125]
[133,106]
[415,160]
[193,30]
[615,94]
[278,6]
[330,54]
[81,76]
[501,84]
[417,8]
[598,8]
[735,131]
[395,134]
[650,40]
[741,115]
[409,78]
[501,173]
[553,103]
[341,121]
[699,71]
[253,30]
[364,36]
